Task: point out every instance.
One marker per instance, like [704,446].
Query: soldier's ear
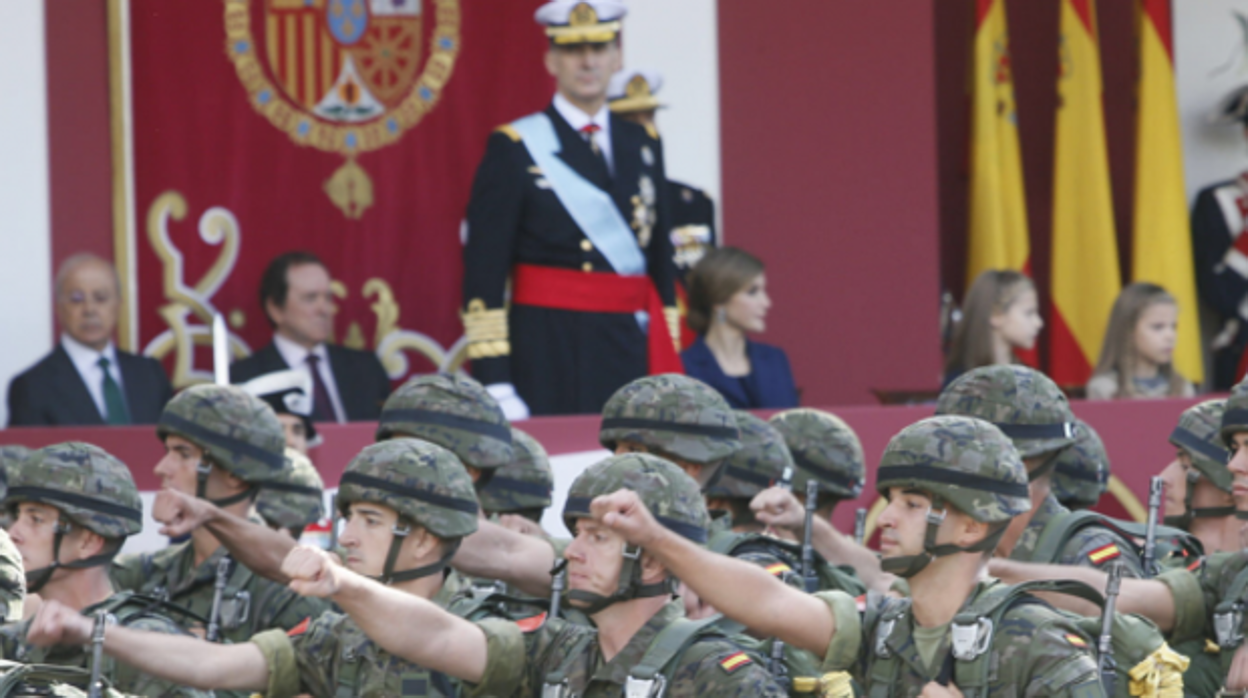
[970,531]
[88,543]
[651,569]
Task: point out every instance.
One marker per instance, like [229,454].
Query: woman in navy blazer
[728,300]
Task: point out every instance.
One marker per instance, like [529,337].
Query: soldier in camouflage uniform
[953,485]
[1081,474]
[1033,412]
[641,641]
[522,488]
[407,504]
[12,576]
[294,500]
[1198,483]
[73,507]
[826,449]
[221,445]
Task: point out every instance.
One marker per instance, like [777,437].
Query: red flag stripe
[1160,14]
[1068,365]
[1087,14]
[982,7]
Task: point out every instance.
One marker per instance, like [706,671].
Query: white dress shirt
[296,356]
[87,361]
[578,120]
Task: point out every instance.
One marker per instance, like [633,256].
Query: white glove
[505,394]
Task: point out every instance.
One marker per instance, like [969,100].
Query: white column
[25,244]
[681,41]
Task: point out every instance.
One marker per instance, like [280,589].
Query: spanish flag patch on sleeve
[1076,640]
[528,625]
[735,661]
[778,569]
[1105,553]
[301,628]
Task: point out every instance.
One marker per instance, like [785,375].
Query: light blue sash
[592,208]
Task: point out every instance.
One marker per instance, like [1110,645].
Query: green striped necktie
[114,401]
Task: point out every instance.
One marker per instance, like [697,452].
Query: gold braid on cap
[583,27]
[638,96]
[486,331]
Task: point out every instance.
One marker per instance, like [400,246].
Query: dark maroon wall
[829,175]
[78,128]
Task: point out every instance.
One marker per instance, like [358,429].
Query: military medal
[647,156]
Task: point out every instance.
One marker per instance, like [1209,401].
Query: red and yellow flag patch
[1105,553]
[1076,640]
[735,661]
[528,625]
[778,569]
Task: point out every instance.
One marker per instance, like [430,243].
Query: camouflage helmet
[1199,433]
[1023,403]
[524,483]
[672,414]
[454,412]
[963,461]
[1235,418]
[761,462]
[236,431]
[297,498]
[425,483]
[824,447]
[90,487]
[12,458]
[1081,475]
[671,496]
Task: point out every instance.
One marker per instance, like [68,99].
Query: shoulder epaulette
[654,132]
[509,131]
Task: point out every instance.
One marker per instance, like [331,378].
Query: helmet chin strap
[36,579]
[630,585]
[1184,520]
[201,488]
[909,565]
[401,531]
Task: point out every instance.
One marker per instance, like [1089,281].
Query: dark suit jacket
[359,376]
[51,393]
[769,385]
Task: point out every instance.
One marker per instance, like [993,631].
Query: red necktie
[322,406]
[591,134]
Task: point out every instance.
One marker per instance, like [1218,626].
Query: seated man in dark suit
[347,385]
[86,380]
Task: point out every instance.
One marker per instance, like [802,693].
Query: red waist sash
[599,292]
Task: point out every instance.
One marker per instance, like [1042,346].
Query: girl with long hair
[1138,348]
[1001,313]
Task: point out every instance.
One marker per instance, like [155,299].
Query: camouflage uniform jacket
[1092,546]
[12,580]
[1035,650]
[131,612]
[331,656]
[518,662]
[250,603]
[1197,594]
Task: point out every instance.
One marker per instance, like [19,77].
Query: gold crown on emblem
[584,26]
[583,15]
[638,87]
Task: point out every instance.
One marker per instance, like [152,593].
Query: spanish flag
[1161,251]
[998,237]
[1085,275]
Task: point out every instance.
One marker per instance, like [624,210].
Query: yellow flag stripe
[1162,243]
[997,236]
[1086,278]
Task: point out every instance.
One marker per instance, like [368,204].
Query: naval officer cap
[1233,109]
[634,90]
[581,21]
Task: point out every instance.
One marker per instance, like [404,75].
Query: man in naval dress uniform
[1219,218]
[570,207]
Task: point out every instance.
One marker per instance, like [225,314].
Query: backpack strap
[648,679]
[1060,529]
[724,541]
[1228,615]
[555,685]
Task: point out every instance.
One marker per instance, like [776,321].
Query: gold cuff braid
[486,331]
[672,316]
[1160,675]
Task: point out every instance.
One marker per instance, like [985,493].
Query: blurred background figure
[1138,348]
[347,384]
[633,95]
[86,380]
[289,393]
[1001,314]
[1082,472]
[727,302]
